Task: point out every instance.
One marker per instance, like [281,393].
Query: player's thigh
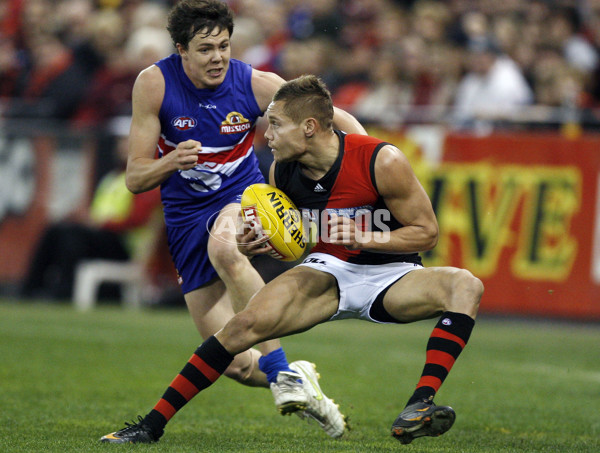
[226,224]
[423,293]
[210,307]
[222,247]
[293,302]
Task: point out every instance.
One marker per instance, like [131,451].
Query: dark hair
[306,97]
[190,17]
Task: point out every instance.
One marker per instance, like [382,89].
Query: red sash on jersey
[215,157]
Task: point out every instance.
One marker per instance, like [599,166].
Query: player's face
[285,138]
[206,59]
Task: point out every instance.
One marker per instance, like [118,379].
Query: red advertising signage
[520,212]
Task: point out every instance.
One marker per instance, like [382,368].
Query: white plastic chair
[91,274]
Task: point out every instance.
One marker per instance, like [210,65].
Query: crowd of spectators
[467,64]
[390,62]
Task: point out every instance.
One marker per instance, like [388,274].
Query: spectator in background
[431,20]
[50,82]
[493,89]
[435,93]
[315,19]
[109,93]
[384,98]
[581,58]
[563,32]
[248,43]
[53,85]
[73,21]
[356,35]
[10,61]
[10,67]
[119,226]
[272,19]
[593,31]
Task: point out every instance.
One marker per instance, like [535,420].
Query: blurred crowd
[390,62]
[467,64]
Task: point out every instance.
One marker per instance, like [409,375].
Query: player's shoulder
[389,155]
[361,140]
[265,85]
[382,155]
[266,77]
[149,86]
[151,77]
[390,166]
[366,146]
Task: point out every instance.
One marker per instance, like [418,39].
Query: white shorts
[359,284]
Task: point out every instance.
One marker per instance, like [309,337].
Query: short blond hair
[306,97]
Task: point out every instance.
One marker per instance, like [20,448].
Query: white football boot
[289,393]
[320,408]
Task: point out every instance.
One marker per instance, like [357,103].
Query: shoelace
[290,381]
[131,426]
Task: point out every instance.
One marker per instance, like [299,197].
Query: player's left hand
[343,231]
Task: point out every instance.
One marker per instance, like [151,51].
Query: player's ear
[310,127]
[182,51]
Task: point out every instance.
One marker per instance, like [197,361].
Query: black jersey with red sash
[348,189]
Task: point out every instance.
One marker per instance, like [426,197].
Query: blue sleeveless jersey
[223,120]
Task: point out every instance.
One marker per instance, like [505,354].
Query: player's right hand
[250,241]
[185,156]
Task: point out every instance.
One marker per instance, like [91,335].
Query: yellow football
[279,219]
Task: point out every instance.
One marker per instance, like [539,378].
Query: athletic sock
[205,366]
[272,363]
[445,344]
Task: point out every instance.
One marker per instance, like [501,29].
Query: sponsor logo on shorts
[314,261]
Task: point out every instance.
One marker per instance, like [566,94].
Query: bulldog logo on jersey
[183,123]
[235,123]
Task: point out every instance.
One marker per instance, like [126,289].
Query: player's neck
[321,157]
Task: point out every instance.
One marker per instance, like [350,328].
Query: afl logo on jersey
[235,123]
[183,123]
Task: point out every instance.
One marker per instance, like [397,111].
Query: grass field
[66,378]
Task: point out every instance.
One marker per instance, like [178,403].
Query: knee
[225,257]
[466,292]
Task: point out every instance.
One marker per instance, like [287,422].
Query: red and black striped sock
[205,366]
[445,344]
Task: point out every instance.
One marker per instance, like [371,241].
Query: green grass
[66,378]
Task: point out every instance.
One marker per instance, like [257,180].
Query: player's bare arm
[408,203]
[264,86]
[144,172]
[344,121]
